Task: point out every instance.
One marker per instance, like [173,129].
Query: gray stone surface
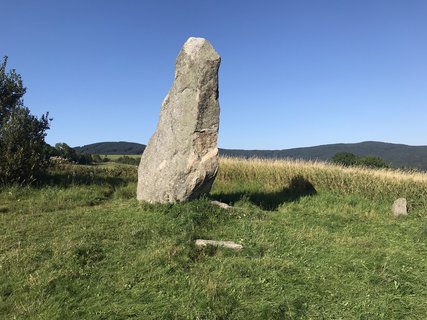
[222,205]
[400,207]
[216,243]
[180,161]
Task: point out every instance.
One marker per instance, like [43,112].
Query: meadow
[116,156]
[319,242]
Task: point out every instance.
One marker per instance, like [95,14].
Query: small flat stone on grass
[221,204]
[224,244]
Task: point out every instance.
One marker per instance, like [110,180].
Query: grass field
[116,156]
[319,243]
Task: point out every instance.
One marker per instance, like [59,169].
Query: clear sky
[293,73]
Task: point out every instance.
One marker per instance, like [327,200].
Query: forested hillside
[120,147]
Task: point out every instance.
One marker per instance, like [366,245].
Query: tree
[348,159]
[66,152]
[372,162]
[63,150]
[85,158]
[23,151]
[344,158]
[11,91]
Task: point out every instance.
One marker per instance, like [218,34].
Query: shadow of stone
[270,201]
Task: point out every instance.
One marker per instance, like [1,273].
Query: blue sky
[293,73]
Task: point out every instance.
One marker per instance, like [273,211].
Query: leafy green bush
[372,162]
[128,160]
[96,158]
[23,151]
[64,151]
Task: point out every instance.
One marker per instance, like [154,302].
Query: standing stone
[400,207]
[180,161]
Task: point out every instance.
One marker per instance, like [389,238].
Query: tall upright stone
[180,161]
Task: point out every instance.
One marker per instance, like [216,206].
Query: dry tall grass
[273,175]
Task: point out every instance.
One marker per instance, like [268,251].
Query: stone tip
[196,39]
[194,45]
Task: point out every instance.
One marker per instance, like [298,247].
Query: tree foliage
[23,151]
[69,154]
[349,159]
[372,162]
[344,158]
[66,152]
[11,91]
[128,160]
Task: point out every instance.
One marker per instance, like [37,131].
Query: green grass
[116,156]
[81,247]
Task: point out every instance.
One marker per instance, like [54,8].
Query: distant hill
[398,155]
[120,147]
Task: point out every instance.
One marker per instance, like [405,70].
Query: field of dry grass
[274,175]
